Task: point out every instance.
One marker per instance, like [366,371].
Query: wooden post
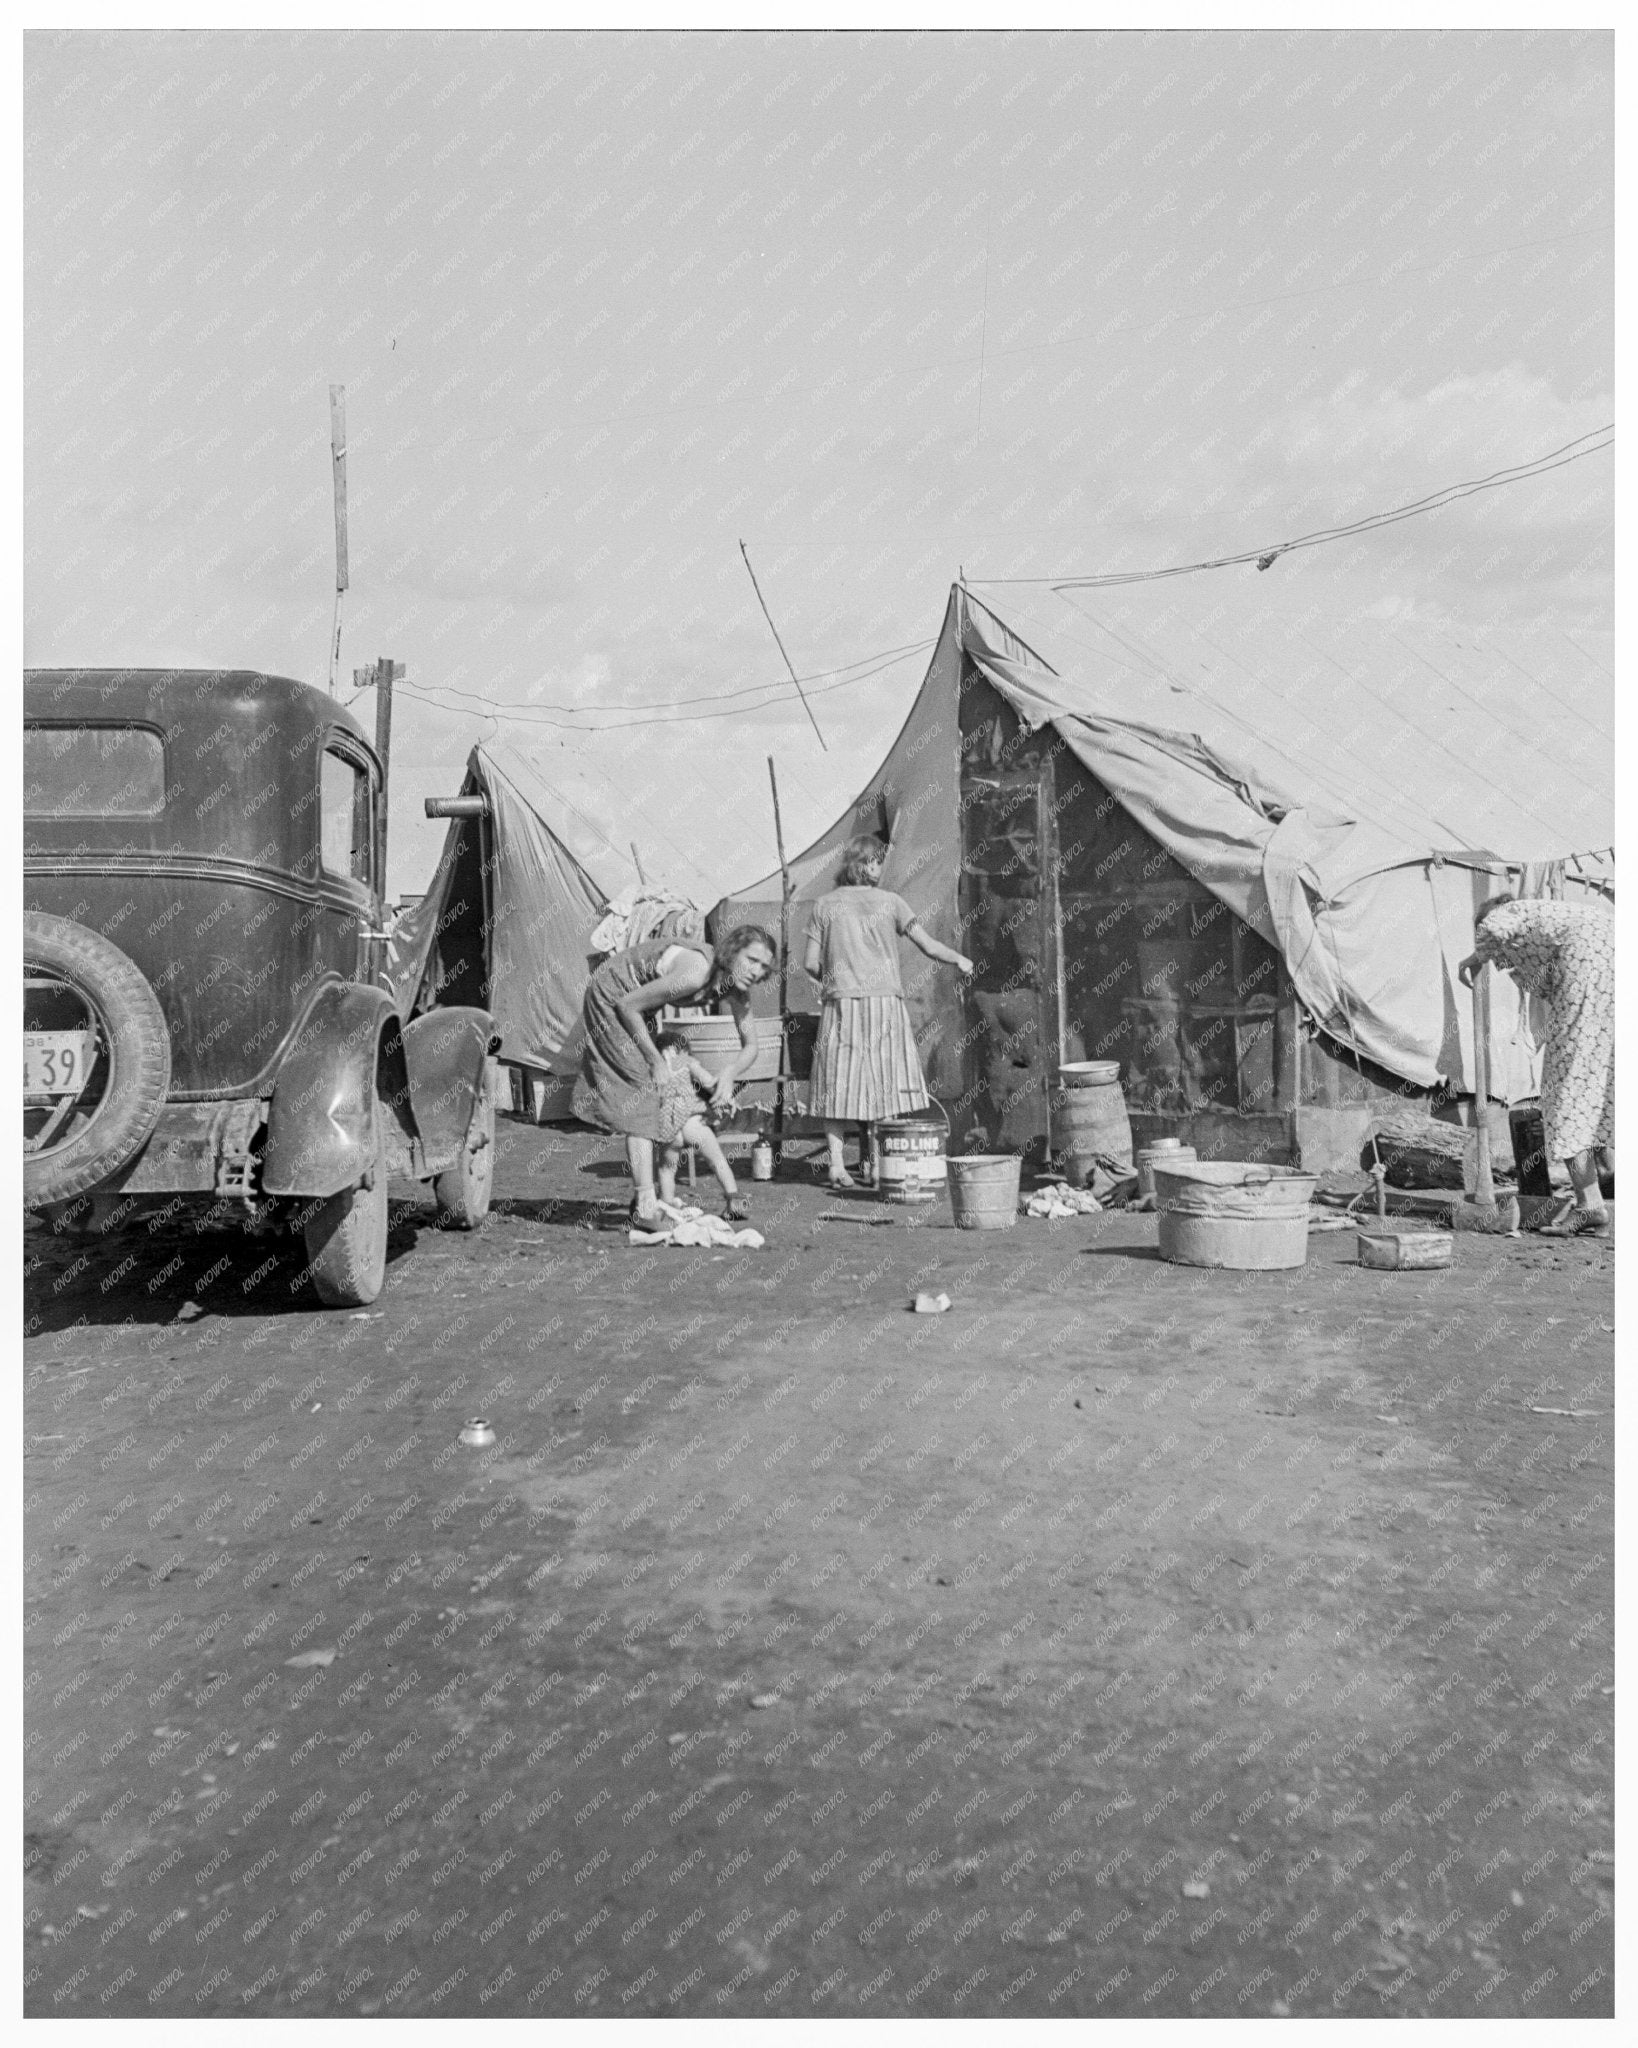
[784,960]
[1484,1189]
[338,467]
[387,672]
[1051,927]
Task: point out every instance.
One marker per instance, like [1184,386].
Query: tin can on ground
[762,1160]
[909,1156]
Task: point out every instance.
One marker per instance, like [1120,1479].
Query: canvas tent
[1261,918]
[507,918]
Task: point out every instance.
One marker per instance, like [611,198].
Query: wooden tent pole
[784,958]
[1484,1188]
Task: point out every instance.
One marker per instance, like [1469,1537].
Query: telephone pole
[382,675]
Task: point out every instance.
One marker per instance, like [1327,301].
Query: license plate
[56,1062]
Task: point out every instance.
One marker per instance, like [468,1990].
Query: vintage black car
[208,1011]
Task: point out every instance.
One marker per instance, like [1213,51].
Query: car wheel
[97,1054]
[463,1191]
[346,1241]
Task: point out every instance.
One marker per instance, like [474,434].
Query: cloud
[1393,446]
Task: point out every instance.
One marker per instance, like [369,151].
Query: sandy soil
[1128,1640]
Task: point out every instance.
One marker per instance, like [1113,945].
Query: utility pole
[338,468]
[383,674]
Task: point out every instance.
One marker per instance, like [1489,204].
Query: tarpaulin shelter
[507,919]
[1261,919]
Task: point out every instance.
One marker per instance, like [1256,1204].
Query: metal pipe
[457,806]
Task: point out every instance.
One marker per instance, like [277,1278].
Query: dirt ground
[1130,1639]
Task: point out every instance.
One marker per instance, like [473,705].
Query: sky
[888,309]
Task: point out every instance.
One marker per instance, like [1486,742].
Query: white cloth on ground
[691,1227]
[1059,1199]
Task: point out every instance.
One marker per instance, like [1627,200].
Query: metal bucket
[1163,1152]
[1089,1119]
[1228,1213]
[908,1154]
[984,1191]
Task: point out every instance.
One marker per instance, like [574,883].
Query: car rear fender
[444,1052]
[343,1072]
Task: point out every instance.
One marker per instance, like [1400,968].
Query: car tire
[463,1191]
[345,1237]
[135,1055]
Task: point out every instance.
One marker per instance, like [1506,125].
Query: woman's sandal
[654,1222]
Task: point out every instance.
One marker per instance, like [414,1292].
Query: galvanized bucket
[1228,1213]
[984,1191]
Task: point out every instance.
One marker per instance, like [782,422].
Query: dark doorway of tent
[1091,941]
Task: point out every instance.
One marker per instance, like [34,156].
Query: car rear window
[344,816]
[93,771]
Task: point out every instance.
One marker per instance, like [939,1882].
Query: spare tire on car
[79,987]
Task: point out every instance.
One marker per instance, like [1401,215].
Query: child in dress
[865,1064]
[687,1087]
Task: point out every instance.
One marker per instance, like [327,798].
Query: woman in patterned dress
[864,1058]
[1564,954]
[624,1084]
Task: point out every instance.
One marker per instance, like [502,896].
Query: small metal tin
[1405,1251]
[762,1160]
[478,1433]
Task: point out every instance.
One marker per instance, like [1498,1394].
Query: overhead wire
[664,703]
[519,716]
[1266,554]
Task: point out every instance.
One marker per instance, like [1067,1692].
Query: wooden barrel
[1089,1121]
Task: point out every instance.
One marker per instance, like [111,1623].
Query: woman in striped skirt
[864,1061]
